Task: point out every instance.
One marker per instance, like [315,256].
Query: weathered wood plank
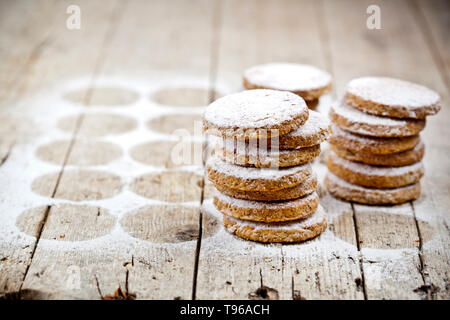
[25,29]
[159,262]
[149,247]
[433,19]
[50,67]
[230,267]
[431,209]
[385,52]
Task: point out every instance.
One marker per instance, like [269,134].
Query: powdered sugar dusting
[338,132]
[315,124]
[393,92]
[364,140]
[240,203]
[368,192]
[270,173]
[357,116]
[254,109]
[287,76]
[374,170]
[242,148]
[315,218]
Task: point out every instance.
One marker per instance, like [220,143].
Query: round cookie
[255,179]
[306,81]
[374,145]
[350,192]
[376,177]
[287,232]
[314,131]
[392,98]
[300,190]
[249,154]
[255,114]
[398,159]
[312,104]
[355,121]
[276,211]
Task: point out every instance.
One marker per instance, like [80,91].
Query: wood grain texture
[285,273]
[155,271]
[14,269]
[33,281]
[25,30]
[431,209]
[380,52]
[190,53]
[434,21]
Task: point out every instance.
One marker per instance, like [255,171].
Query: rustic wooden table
[91,199]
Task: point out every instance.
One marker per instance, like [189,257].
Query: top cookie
[392,97]
[307,81]
[255,114]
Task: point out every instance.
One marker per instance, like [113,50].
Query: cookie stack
[265,187]
[308,82]
[376,148]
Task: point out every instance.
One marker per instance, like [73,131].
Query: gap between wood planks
[325,40]
[115,19]
[214,61]
[439,61]
[425,279]
[4,157]
[358,245]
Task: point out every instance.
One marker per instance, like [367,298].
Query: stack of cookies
[308,82]
[265,187]
[376,148]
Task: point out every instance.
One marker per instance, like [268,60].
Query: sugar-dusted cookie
[359,122]
[398,159]
[255,114]
[255,179]
[275,211]
[249,154]
[374,145]
[372,176]
[293,231]
[306,187]
[392,97]
[351,192]
[307,81]
[314,131]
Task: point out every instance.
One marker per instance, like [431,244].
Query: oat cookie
[372,176]
[314,131]
[392,98]
[285,232]
[300,190]
[355,121]
[398,159]
[374,145]
[275,211]
[312,104]
[249,154]
[255,179]
[255,114]
[351,192]
[307,81]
